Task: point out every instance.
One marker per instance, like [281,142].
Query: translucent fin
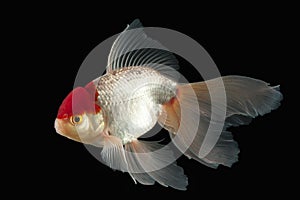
[246,99]
[113,154]
[250,97]
[225,152]
[146,162]
[153,160]
[203,161]
[134,48]
[143,178]
[181,116]
[134,166]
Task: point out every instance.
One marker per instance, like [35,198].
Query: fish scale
[131,100]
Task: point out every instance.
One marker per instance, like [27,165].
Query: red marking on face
[77,102]
[91,88]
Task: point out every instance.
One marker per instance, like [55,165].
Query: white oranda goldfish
[113,111]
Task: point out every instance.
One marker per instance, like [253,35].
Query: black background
[247,40]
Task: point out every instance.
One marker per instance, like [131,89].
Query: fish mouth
[61,129]
[57,126]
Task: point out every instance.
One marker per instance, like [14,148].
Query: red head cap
[77,102]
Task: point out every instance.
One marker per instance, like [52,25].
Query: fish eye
[76,119]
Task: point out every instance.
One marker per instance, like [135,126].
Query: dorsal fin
[134,48]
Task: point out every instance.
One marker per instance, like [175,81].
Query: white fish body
[132,99]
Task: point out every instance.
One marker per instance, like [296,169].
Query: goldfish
[138,91]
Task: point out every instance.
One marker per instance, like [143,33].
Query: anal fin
[152,160]
[146,162]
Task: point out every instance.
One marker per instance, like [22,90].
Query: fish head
[79,116]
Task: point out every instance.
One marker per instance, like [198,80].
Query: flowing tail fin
[246,98]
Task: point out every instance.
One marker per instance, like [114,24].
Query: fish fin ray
[113,154]
[134,48]
[224,152]
[246,99]
[156,162]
